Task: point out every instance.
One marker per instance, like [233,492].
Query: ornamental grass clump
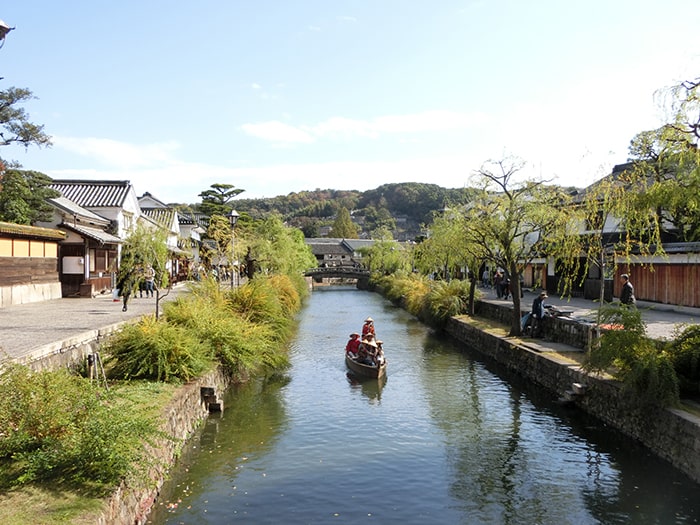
[157,350]
[243,328]
[446,299]
[407,289]
[270,301]
[55,426]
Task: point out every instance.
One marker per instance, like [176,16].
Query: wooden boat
[363,370]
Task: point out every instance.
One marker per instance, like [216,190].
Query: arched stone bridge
[343,272]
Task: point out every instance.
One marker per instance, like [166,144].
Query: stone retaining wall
[71,352]
[557,329]
[671,434]
[185,412]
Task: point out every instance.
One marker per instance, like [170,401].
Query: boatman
[368,327]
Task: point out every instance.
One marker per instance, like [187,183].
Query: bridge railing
[339,271]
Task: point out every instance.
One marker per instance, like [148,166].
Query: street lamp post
[233,219]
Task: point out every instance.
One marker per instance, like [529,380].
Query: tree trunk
[472,292]
[515,327]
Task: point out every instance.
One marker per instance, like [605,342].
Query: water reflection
[519,456]
[253,419]
[370,388]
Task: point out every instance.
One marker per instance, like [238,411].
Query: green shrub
[242,329]
[269,301]
[626,352]
[685,356]
[56,426]
[416,294]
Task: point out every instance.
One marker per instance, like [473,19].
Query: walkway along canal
[447,438]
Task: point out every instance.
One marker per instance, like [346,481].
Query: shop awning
[96,234]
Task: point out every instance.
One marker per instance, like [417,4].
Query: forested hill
[400,208]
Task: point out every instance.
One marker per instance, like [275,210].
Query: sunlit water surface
[446,439]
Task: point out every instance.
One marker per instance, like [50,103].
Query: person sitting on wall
[538,314]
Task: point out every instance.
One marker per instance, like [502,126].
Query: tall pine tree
[343,227]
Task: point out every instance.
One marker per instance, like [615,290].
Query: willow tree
[511,223]
[685,108]
[386,257]
[144,247]
[442,251]
[220,233]
[448,248]
[276,248]
[667,161]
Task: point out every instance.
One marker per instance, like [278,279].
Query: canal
[447,438]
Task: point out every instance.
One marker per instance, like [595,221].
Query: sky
[281,96]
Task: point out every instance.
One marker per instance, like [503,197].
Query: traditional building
[97,215]
[28,264]
[88,256]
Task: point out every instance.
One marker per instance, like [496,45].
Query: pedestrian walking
[627,294]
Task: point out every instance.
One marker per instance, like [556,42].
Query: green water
[446,439]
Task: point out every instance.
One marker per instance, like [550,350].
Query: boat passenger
[353,345]
[361,353]
[368,327]
[371,352]
[380,354]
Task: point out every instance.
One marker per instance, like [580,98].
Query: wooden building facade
[28,264]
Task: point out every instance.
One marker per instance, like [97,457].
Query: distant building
[338,252]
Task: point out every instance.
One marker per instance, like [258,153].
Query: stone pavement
[29,331]
[661,319]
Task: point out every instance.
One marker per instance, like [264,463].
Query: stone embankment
[670,433]
[185,412]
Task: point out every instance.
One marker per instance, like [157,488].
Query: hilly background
[399,208]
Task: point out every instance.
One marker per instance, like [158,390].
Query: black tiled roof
[94,193]
[163,216]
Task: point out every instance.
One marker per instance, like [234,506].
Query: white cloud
[427,121]
[183,181]
[116,153]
